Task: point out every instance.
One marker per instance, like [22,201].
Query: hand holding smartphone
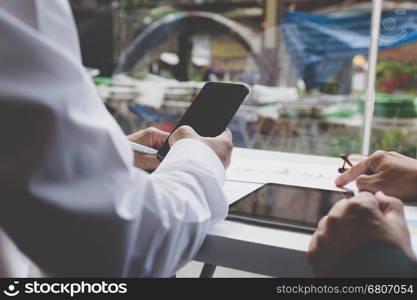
[211,111]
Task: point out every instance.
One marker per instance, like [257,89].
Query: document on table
[292,173]
[236,190]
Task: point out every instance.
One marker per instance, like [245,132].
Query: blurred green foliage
[338,141]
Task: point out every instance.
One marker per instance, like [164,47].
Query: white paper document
[236,190]
[292,173]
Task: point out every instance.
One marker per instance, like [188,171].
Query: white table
[268,251]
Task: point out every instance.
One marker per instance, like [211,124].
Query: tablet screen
[286,206]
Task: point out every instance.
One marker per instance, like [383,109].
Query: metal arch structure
[146,47]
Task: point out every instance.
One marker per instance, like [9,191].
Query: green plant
[394,140]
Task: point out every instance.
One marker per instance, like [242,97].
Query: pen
[143,149]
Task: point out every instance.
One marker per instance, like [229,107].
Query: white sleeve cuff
[197,152]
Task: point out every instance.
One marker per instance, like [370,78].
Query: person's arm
[71,198]
[374,260]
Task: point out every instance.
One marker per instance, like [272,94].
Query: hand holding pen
[145,144]
[389,172]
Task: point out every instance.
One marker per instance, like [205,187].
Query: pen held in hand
[143,149]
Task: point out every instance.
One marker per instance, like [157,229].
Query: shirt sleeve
[71,198]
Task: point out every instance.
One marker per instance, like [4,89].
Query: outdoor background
[306,62]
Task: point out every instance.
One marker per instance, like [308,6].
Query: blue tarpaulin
[320,45]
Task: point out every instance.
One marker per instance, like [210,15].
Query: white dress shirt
[71,199]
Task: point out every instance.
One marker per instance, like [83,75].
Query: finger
[322,223]
[321,231]
[389,204]
[227,134]
[368,183]
[396,154]
[338,209]
[382,198]
[150,137]
[156,131]
[317,251]
[365,166]
[146,162]
[365,197]
[312,250]
[362,205]
[393,153]
[183,132]
[352,173]
[158,137]
[357,158]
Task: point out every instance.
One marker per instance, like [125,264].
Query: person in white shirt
[72,199]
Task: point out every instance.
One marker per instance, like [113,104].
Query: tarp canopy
[320,45]
[151,42]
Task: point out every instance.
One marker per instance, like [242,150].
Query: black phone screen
[211,111]
[286,206]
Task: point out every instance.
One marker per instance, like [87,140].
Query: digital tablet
[285,206]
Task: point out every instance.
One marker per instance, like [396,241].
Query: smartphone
[211,111]
[286,206]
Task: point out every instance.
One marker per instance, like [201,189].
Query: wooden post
[271,39]
[183,70]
